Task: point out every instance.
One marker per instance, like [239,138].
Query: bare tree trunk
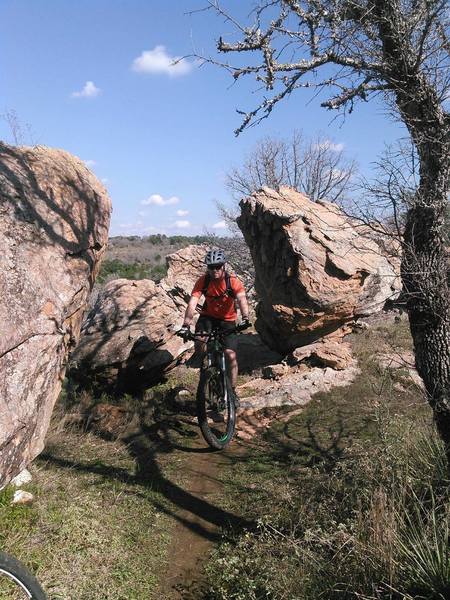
[424,259]
[424,275]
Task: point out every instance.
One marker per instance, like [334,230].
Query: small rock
[360,326]
[301,368]
[326,352]
[182,398]
[274,371]
[109,420]
[399,387]
[22,497]
[22,478]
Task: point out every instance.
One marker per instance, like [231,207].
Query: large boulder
[54,219]
[316,269]
[128,339]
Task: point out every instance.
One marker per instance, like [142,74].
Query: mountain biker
[220,290]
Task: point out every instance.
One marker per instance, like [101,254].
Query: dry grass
[351,496]
[94,531]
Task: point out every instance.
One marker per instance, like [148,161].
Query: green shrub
[158,272]
[422,545]
[122,270]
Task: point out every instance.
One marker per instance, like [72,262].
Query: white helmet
[215,257]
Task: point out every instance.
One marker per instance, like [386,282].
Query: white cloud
[90,90]
[182,224]
[329,145]
[182,213]
[90,163]
[104,180]
[157,61]
[220,225]
[158,200]
[337,174]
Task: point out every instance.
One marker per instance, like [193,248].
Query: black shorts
[205,324]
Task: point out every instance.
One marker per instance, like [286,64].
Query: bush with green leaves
[117,269]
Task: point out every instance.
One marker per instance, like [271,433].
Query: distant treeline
[135,257]
[162,239]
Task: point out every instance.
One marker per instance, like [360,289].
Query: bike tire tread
[14,567]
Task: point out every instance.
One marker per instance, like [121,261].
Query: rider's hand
[184,332]
[245,323]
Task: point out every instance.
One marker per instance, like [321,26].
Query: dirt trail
[199,521]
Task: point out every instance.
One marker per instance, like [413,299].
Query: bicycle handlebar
[189,335]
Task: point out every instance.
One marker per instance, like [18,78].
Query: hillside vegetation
[134,257]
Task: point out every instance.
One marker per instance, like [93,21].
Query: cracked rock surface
[316,269]
[54,220]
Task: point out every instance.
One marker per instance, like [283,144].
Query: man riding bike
[220,290]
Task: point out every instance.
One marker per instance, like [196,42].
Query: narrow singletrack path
[199,520]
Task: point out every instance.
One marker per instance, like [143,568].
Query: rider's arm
[190,311]
[193,301]
[243,305]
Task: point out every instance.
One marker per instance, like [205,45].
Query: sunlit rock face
[54,220]
[316,269]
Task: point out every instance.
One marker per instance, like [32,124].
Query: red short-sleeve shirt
[219,305]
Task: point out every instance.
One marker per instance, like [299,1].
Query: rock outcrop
[128,339]
[54,220]
[316,269]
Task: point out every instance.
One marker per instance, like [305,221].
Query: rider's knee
[231,355]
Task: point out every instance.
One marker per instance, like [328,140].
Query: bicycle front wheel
[216,412]
[16,582]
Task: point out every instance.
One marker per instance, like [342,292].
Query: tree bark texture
[424,261]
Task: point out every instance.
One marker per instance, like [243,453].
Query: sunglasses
[215,267]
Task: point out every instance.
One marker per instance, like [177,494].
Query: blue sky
[93,77]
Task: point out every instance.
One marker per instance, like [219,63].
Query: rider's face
[216,271]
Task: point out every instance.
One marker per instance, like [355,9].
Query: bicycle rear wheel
[16,582]
[216,412]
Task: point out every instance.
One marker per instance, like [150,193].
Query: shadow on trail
[189,449]
[145,446]
[317,437]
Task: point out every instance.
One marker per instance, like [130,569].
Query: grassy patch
[94,529]
[350,496]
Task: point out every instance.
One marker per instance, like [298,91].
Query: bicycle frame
[215,355]
[214,344]
[216,411]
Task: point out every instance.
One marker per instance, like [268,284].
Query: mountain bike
[16,582]
[216,410]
